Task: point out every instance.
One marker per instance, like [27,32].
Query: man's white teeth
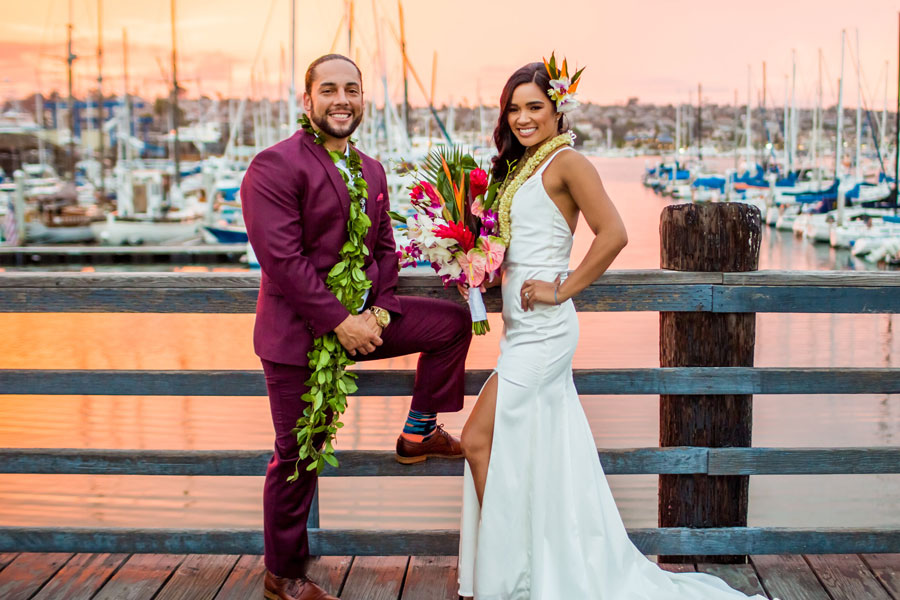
[340,115]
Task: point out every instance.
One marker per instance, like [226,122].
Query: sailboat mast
[737,120]
[382,68]
[794,120]
[177,151]
[838,152]
[816,124]
[897,128]
[841,198]
[677,129]
[887,73]
[786,129]
[858,113]
[349,6]
[747,128]
[101,148]
[763,117]
[125,126]
[431,94]
[405,71]
[292,93]
[70,58]
[699,122]
[39,117]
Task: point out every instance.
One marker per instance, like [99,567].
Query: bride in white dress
[539,521]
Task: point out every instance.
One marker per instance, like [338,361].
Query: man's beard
[325,127]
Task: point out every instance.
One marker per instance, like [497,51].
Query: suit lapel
[372,192]
[332,172]
[372,202]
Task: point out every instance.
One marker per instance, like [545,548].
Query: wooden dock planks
[6,558]
[81,577]
[245,580]
[28,573]
[741,577]
[375,578]
[31,576]
[330,572]
[678,567]
[789,577]
[199,577]
[141,577]
[847,577]
[431,578]
[886,568]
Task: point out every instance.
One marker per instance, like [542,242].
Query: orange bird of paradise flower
[458,190]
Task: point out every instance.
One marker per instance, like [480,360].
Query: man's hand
[359,333]
[373,322]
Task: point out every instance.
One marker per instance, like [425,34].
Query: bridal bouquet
[455,226]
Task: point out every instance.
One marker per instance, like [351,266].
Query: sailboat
[150,205]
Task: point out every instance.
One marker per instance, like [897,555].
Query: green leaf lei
[330,383]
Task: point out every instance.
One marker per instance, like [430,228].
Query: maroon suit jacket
[296,206]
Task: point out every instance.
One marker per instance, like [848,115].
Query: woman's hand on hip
[535,290]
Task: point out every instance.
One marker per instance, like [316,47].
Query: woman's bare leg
[478,434]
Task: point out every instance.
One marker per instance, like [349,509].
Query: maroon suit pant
[440,330]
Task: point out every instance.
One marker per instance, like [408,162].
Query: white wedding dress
[549,528]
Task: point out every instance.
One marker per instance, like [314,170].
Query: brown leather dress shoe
[439,445]
[286,588]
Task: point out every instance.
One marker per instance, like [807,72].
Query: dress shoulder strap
[547,162]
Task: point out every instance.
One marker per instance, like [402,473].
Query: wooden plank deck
[29,576]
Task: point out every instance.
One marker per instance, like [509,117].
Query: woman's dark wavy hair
[508,146]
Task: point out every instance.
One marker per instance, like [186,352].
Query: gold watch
[382,317]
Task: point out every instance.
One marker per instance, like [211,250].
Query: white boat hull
[135,233]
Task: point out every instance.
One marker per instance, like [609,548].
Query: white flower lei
[509,191]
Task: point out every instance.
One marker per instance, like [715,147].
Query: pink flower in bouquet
[413,251]
[489,219]
[494,251]
[449,280]
[479,182]
[405,258]
[434,206]
[458,232]
[474,264]
[430,192]
[417,193]
[477,209]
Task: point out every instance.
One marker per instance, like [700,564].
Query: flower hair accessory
[562,87]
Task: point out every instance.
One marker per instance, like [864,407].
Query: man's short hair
[311,70]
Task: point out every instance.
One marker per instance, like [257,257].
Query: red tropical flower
[458,232]
[479,182]
[431,192]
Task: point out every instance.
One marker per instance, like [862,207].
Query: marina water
[160,341]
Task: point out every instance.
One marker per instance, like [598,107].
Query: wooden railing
[765,291]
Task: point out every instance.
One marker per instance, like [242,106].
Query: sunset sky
[656,50]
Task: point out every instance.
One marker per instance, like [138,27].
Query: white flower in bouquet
[438,254]
[451,268]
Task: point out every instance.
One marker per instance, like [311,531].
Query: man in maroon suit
[296,206]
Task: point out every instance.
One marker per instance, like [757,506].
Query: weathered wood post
[715,237]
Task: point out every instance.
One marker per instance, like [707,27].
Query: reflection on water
[127,341]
